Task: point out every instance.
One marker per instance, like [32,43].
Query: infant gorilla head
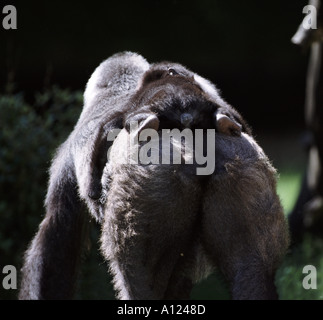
[181,99]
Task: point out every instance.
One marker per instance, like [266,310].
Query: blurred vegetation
[29,135]
[28,138]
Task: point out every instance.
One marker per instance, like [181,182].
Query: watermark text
[310,21]
[149,146]
[9,281]
[310,280]
[9,20]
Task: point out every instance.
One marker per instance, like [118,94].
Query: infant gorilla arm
[158,221]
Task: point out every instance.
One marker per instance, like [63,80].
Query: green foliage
[289,277]
[28,138]
[213,288]
[288,187]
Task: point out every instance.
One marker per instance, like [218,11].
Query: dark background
[244,47]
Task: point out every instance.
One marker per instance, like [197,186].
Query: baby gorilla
[232,220]
[181,99]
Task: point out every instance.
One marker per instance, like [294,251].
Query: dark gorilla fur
[233,221]
[163,227]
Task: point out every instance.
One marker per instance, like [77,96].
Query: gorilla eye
[172,72]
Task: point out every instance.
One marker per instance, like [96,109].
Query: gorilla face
[181,99]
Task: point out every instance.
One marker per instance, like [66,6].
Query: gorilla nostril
[186,119]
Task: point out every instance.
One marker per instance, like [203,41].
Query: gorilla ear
[226,125]
[144,121]
[151,122]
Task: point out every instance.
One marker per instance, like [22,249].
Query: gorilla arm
[51,261]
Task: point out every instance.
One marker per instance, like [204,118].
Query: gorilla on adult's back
[163,226]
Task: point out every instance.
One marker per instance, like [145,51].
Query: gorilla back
[163,227]
[75,179]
